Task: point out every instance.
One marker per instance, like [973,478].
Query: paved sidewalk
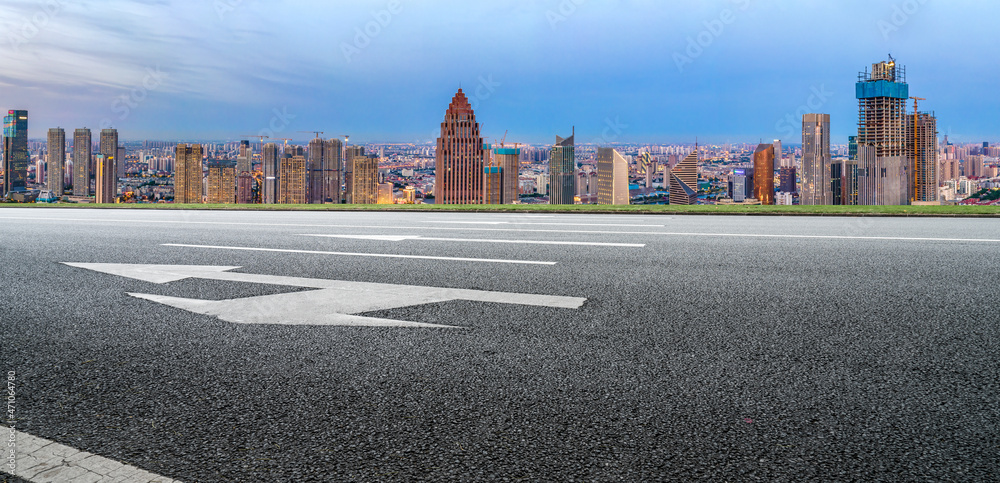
[42,461]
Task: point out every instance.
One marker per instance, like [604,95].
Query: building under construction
[883,174]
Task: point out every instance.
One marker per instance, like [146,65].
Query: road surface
[295,346]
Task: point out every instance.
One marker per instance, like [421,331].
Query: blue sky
[620,71]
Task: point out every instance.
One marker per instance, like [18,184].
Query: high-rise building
[612,177]
[15,152]
[882,168]
[921,139]
[244,188]
[350,153]
[292,182]
[105,181]
[244,158]
[779,160]
[509,162]
[56,160]
[562,170]
[271,162]
[333,171]
[836,183]
[975,166]
[817,188]
[120,162]
[786,180]
[951,169]
[82,152]
[741,186]
[221,183]
[461,156]
[109,148]
[364,183]
[324,167]
[763,169]
[684,180]
[188,173]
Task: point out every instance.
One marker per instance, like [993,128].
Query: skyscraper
[562,171]
[351,153]
[109,148]
[461,156]
[244,159]
[82,152]
[763,169]
[15,152]
[883,177]
[324,167]
[188,173]
[333,170]
[270,160]
[293,178]
[244,188]
[105,182]
[221,183]
[921,139]
[684,180]
[314,171]
[612,178]
[364,183]
[817,188]
[57,160]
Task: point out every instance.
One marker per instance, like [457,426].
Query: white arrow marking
[335,303]
[376,255]
[399,238]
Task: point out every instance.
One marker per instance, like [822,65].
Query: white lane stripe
[521,230]
[40,460]
[399,238]
[532,223]
[349,254]
[833,237]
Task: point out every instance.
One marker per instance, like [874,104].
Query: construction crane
[259,136]
[916,148]
[317,133]
[504,138]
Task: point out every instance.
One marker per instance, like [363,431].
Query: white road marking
[40,460]
[833,237]
[520,230]
[350,254]
[533,223]
[335,303]
[399,238]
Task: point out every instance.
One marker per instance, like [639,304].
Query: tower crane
[317,133]
[259,136]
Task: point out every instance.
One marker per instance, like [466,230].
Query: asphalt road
[787,349]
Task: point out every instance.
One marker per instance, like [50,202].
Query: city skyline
[639,82]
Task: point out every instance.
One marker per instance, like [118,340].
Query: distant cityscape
[896,158]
